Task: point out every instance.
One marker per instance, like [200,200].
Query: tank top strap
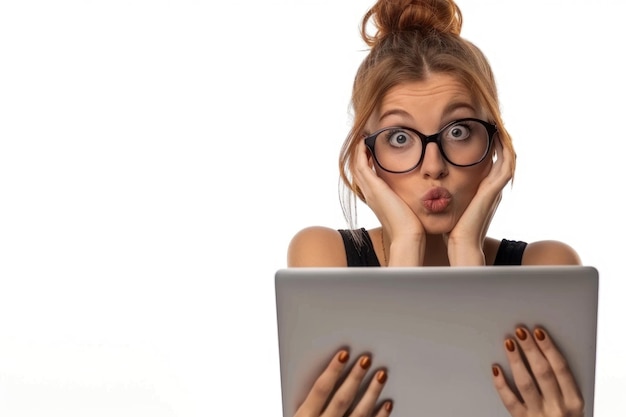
[510,252]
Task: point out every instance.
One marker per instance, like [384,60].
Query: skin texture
[413,235]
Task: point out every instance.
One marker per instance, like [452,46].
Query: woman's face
[437,191]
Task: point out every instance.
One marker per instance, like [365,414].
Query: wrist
[407,251]
[465,254]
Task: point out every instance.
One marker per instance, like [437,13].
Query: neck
[436,253]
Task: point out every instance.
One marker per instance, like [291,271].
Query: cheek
[463,182]
[483,169]
[474,176]
[385,176]
[405,186]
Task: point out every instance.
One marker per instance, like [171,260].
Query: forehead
[427,102]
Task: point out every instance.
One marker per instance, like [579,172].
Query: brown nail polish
[343,356]
[539,334]
[510,345]
[365,362]
[495,370]
[388,406]
[521,333]
[381,376]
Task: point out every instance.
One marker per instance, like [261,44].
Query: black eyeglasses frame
[491,128]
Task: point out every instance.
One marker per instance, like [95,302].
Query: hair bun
[394,16]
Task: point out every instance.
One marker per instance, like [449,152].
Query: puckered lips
[436,200]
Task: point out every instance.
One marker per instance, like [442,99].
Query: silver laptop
[436,330]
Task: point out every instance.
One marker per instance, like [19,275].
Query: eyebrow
[455,105]
[392,112]
[450,108]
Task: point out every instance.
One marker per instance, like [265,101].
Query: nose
[433,165]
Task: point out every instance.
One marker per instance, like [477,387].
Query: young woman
[429,154]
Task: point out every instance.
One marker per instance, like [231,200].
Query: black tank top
[509,252]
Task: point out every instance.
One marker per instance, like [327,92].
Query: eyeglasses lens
[464,143]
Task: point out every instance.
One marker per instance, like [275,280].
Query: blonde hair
[412,39]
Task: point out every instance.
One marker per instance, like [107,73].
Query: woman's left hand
[465,241]
[547,386]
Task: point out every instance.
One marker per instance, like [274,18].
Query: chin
[438,225]
[437,228]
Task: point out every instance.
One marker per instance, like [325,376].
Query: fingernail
[539,334]
[388,406]
[495,370]
[521,333]
[510,345]
[365,362]
[381,376]
[343,356]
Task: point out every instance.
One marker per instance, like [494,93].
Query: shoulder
[550,252]
[316,246]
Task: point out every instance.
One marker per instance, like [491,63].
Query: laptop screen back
[437,330]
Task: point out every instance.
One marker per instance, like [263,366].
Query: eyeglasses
[462,143]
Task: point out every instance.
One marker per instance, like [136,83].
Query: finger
[523,380]
[370,397]
[361,166]
[385,409]
[377,193]
[369,157]
[502,168]
[539,365]
[364,174]
[571,393]
[364,158]
[500,173]
[506,155]
[346,393]
[498,148]
[509,399]
[502,153]
[323,386]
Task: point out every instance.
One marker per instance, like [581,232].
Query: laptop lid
[437,330]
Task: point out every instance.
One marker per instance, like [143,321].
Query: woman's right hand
[329,398]
[401,226]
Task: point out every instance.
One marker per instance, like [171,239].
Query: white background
[157,156]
